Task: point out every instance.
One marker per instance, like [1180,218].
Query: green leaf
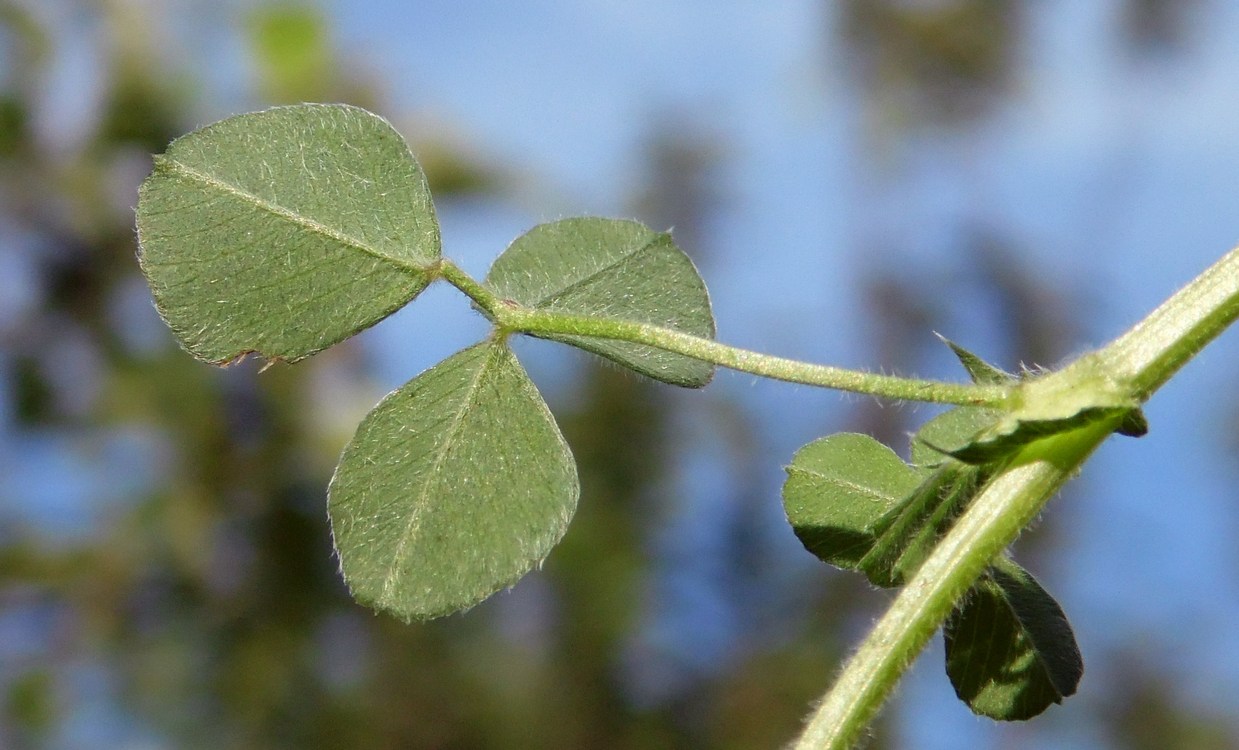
[907,535]
[614,269]
[854,504]
[978,369]
[283,232]
[957,429]
[454,487]
[1010,652]
[837,490]
[1009,435]
[1013,432]
[951,430]
[1062,401]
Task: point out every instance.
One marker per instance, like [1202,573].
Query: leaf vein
[563,291]
[451,434]
[293,217]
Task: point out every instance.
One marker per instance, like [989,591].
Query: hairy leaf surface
[838,488]
[906,536]
[1053,404]
[453,487]
[949,431]
[616,269]
[282,232]
[1010,652]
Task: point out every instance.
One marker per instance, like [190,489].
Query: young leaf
[951,430]
[837,490]
[610,268]
[1010,651]
[1054,404]
[1013,432]
[908,533]
[283,232]
[454,487]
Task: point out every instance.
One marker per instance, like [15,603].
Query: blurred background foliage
[167,579]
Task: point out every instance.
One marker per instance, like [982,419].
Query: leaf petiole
[514,318]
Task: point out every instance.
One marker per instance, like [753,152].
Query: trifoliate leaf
[609,268]
[837,490]
[283,232]
[454,487]
[1010,652]
[978,369]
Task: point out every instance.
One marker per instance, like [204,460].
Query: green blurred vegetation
[204,609]
[211,602]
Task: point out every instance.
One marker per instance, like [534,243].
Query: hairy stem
[994,519]
[485,299]
[1155,348]
[1140,360]
[514,318]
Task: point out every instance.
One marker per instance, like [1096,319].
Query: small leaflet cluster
[1010,652]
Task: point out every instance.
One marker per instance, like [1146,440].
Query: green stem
[994,519]
[1141,360]
[514,318]
[544,323]
[485,299]
[1151,352]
